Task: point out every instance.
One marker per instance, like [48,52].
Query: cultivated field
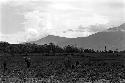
[63,68]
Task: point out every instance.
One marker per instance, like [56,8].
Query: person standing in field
[27,61]
[4,65]
[68,62]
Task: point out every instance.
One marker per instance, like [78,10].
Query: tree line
[5,47]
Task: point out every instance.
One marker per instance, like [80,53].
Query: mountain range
[112,38]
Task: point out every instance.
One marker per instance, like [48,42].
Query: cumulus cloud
[55,23]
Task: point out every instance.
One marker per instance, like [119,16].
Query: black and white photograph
[62,41]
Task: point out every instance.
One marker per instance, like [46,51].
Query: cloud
[93,28]
[112,3]
[57,17]
[54,23]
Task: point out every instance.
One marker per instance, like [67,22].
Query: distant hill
[119,28]
[113,38]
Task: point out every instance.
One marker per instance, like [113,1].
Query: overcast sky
[22,20]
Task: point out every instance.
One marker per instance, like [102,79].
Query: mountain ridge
[113,38]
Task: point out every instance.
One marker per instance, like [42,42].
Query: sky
[29,20]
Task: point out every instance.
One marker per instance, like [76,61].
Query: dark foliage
[25,48]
